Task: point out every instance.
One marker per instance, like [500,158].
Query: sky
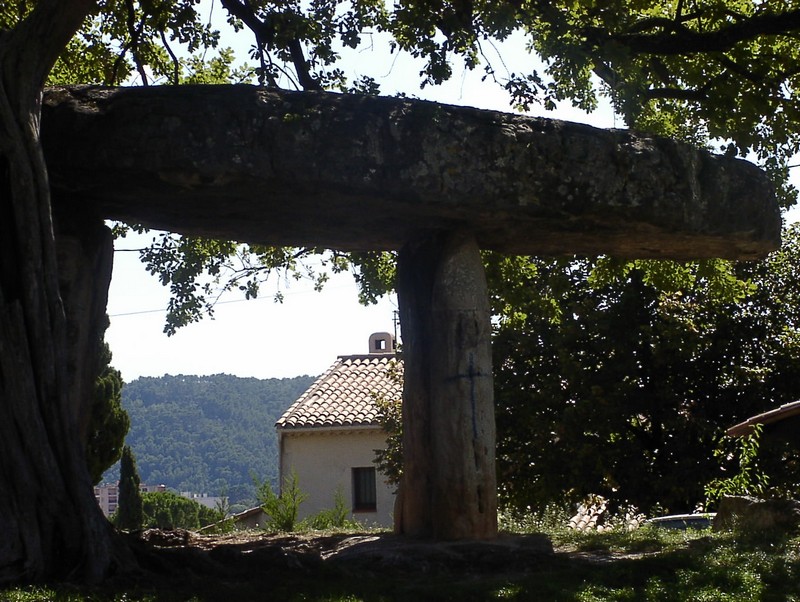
[260,338]
[304,334]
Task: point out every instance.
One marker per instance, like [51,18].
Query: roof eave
[787,410]
[285,430]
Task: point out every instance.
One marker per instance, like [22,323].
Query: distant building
[107,495]
[152,488]
[328,437]
[209,501]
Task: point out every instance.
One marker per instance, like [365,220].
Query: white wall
[323,463]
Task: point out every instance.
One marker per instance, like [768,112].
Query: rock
[754,514]
[166,538]
[356,172]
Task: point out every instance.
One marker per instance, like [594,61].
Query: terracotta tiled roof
[345,395]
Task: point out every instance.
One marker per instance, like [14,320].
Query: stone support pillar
[449,485]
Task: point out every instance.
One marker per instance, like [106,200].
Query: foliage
[749,480]
[167,510]
[198,271]
[129,515]
[217,70]
[389,460]
[109,422]
[375,274]
[688,71]
[225,522]
[623,389]
[208,434]
[281,509]
[552,519]
[330,518]
[126,39]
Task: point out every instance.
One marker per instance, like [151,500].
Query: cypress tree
[129,514]
[109,421]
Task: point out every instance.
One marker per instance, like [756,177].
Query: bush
[167,510]
[281,510]
[749,480]
[332,518]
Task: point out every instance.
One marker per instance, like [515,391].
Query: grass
[646,564]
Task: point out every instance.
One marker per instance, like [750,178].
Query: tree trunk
[50,523]
[85,252]
[448,490]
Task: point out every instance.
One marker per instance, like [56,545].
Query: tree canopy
[168,510]
[625,388]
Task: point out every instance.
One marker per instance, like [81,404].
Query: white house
[328,437]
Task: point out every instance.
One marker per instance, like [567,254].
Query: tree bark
[85,252]
[448,489]
[49,520]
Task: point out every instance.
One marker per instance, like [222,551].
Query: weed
[330,518]
[281,509]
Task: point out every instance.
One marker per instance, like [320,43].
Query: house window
[364,495]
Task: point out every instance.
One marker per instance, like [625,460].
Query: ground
[256,565]
[646,564]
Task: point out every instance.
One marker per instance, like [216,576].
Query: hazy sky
[259,338]
[305,333]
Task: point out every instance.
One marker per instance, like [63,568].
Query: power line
[158,311]
[164,310]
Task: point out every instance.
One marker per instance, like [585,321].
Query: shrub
[167,510]
[332,518]
[750,480]
[281,510]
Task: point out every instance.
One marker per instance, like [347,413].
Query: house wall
[323,463]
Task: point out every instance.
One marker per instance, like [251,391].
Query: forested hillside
[207,434]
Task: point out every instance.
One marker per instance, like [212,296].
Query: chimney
[381,343]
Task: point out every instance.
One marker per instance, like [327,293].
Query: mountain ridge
[211,434]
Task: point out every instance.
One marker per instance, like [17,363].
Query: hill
[207,434]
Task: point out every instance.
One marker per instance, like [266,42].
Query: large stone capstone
[365,173]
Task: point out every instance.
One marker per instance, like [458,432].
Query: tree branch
[672,25]
[265,37]
[242,10]
[52,23]
[676,94]
[301,66]
[679,39]
[176,65]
